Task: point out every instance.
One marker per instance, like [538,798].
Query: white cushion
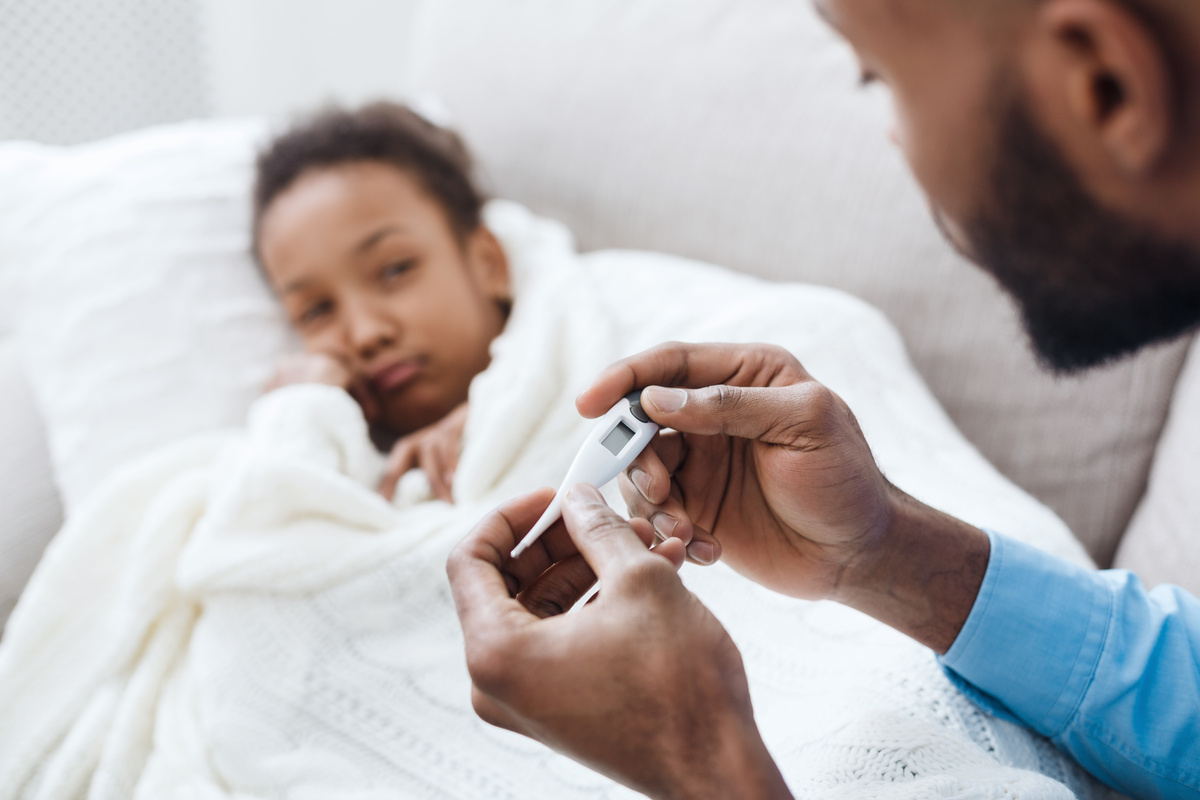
[730,131]
[29,509]
[1163,541]
[21,167]
[143,318]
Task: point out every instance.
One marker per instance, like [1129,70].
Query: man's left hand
[642,684]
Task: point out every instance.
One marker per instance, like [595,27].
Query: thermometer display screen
[619,437]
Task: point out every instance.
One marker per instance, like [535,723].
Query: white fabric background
[71,72]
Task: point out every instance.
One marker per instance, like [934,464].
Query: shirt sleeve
[1106,670]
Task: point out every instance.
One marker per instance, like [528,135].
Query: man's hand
[642,684]
[434,449]
[765,465]
[769,469]
[326,369]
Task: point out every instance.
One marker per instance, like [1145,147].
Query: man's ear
[1114,77]
[489,264]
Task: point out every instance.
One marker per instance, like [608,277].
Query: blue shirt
[1106,670]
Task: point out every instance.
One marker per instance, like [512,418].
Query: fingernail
[701,552]
[641,479]
[665,524]
[665,400]
[584,493]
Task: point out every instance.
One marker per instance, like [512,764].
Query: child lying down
[369,228]
[245,614]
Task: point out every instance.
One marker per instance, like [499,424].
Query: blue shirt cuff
[1034,637]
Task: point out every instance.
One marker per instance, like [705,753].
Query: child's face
[370,272]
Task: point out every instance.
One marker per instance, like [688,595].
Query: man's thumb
[747,413]
[605,539]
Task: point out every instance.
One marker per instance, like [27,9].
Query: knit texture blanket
[241,615]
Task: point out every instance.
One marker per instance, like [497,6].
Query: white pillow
[142,316]
[21,166]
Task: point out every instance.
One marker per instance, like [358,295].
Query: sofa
[728,132]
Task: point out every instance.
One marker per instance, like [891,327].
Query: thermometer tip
[548,518]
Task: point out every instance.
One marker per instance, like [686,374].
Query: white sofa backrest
[730,131]
[1162,544]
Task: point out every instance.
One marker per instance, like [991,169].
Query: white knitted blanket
[242,616]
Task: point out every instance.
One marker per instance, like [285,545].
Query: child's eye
[314,312]
[398,269]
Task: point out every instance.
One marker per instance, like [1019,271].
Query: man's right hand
[766,466]
[768,469]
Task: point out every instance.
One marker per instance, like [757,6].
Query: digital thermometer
[611,446]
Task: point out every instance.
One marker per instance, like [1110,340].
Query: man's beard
[1091,285]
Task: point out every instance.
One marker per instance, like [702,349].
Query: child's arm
[433,449]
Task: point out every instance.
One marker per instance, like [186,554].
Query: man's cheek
[925,159]
[953,232]
[944,156]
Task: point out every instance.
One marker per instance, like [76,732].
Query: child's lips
[391,378]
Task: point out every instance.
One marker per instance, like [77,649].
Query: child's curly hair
[383,132]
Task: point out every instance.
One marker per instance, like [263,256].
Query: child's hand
[433,449]
[322,368]
[310,368]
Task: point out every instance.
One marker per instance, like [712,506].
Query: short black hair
[383,132]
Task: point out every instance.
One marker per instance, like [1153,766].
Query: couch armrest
[30,511]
